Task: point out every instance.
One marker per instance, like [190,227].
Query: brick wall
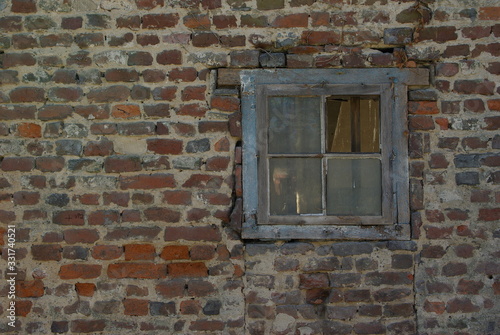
[121,169]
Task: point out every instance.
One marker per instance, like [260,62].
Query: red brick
[49,164]
[224,21]
[122,164]
[423,107]
[483,87]
[145,40]
[203,181]
[69,217]
[88,326]
[201,233]
[159,21]
[175,252]
[85,289]
[177,197]
[369,328]
[23,41]
[205,39]
[142,198]
[83,271]
[457,214]
[438,307]
[480,196]
[46,252]
[136,307]
[489,214]
[71,23]
[461,305]
[153,76]
[162,214]
[149,4]
[169,57]
[87,199]
[155,111]
[137,270]
[27,94]
[7,217]
[103,217]
[291,21]
[475,33]
[190,307]
[438,34]
[34,215]
[217,198]
[164,93]
[197,21]
[146,182]
[23,307]
[30,289]
[54,112]
[320,37]
[171,289]
[225,103]
[194,110]
[433,251]
[187,269]
[98,148]
[193,93]
[117,198]
[108,94]
[73,236]
[26,198]
[419,122]
[197,214]
[207,325]
[494,105]
[183,74]
[222,145]
[165,146]
[320,19]
[492,123]
[202,252]
[18,59]
[107,252]
[438,232]
[11,23]
[217,163]
[489,13]
[23,6]
[126,111]
[137,252]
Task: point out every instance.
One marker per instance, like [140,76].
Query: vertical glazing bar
[355,103]
[323,151]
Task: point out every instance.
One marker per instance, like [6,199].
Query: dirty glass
[354,187]
[295,186]
[294,125]
[353,124]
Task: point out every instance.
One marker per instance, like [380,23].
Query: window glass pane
[354,187]
[353,124]
[294,125]
[295,186]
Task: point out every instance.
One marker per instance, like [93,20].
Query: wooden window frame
[391,86]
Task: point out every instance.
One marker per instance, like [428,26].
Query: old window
[325,153]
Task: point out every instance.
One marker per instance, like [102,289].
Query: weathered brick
[201,233]
[137,270]
[187,269]
[159,21]
[87,326]
[82,271]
